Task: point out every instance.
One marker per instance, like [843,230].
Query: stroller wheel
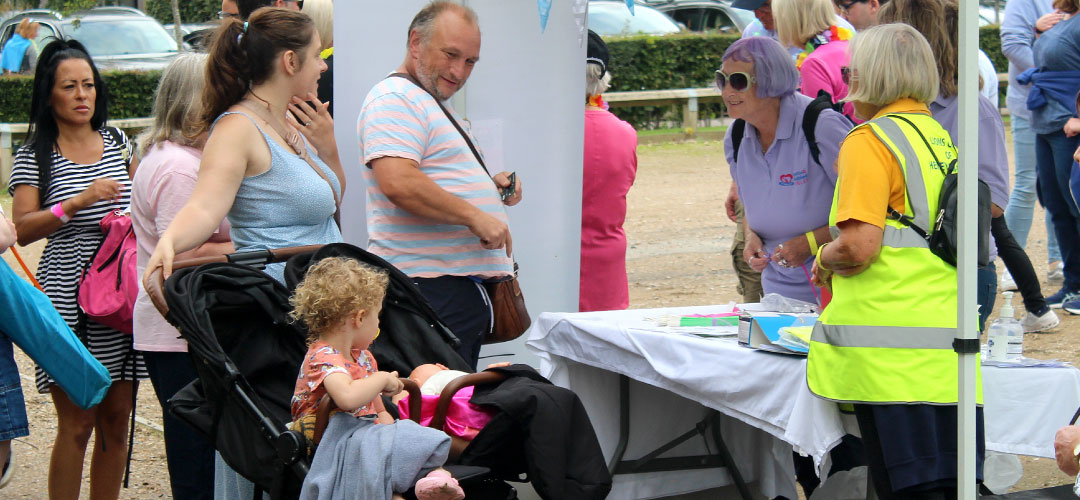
[291,447]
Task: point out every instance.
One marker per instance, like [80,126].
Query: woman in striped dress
[71,172]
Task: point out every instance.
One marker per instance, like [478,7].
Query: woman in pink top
[162,184]
[608,172]
[811,24]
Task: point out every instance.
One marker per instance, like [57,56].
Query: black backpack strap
[820,103]
[737,130]
[126,152]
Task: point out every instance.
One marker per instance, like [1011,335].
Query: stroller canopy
[412,334]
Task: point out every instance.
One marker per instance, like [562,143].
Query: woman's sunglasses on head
[739,80]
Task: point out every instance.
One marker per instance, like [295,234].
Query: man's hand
[493,233]
[1065,442]
[502,180]
[729,203]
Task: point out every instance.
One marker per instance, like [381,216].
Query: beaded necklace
[596,101]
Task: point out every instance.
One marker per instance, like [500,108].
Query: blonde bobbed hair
[177,103]
[321,13]
[797,21]
[890,62]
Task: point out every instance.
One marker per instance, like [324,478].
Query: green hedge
[637,63]
[132,95]
[691,60]
[191,11]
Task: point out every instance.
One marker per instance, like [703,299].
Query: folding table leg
[650,462]
[725,457]
[624,423]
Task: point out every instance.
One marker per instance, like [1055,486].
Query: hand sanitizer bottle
[1006,328]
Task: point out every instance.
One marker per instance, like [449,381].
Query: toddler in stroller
[339,300]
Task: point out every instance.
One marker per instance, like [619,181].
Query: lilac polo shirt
[785,193]
[993,159]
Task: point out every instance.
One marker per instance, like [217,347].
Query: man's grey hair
[424,22]
[595,84]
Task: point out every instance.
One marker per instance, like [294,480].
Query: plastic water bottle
[1006,334]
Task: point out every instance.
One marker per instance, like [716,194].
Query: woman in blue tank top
[277,189]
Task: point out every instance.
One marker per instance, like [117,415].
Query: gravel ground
[679,240]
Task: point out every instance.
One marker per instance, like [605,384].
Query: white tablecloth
[1023,406]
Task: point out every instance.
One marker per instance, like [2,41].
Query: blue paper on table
[29,319]
[765,332]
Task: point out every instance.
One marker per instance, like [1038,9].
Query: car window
[45,35]
[615,19]
[122,36]
[704,19]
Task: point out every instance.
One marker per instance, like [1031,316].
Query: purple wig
[774,68]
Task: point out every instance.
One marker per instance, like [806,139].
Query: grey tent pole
[967,322]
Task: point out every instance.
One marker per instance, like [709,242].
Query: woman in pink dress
[608,172]
[811,25]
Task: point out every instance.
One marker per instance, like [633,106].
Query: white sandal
[5,475]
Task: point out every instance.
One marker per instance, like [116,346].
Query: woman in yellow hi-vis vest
[884,343]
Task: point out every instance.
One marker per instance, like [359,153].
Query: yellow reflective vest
[887,335]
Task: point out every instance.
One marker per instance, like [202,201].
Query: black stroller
[247,354]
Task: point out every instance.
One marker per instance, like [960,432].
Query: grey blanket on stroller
[360,459]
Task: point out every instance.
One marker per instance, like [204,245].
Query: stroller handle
[254,258]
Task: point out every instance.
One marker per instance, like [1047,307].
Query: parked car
[196,36]
[46,18]
[705,15]
[117,38]
[608,18]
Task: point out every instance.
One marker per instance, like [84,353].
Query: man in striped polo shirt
[432,208]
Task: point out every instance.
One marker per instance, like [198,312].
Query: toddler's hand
[393,383]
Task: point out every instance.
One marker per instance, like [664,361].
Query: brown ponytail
[240,58]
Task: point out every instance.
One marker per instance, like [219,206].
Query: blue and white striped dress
[72,246]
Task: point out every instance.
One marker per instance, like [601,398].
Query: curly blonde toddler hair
[335,288]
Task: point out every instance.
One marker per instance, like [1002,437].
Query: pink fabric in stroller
[463,419]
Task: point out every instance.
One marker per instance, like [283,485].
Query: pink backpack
[109,284]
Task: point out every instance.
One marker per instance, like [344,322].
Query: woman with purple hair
[785,189]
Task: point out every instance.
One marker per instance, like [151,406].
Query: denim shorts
[13,422]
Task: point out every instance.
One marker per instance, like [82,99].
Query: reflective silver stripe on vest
[895,237]
[901,337]
[913,174]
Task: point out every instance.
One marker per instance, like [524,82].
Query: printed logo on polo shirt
[797,178]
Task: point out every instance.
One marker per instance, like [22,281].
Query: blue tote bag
[29,319]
